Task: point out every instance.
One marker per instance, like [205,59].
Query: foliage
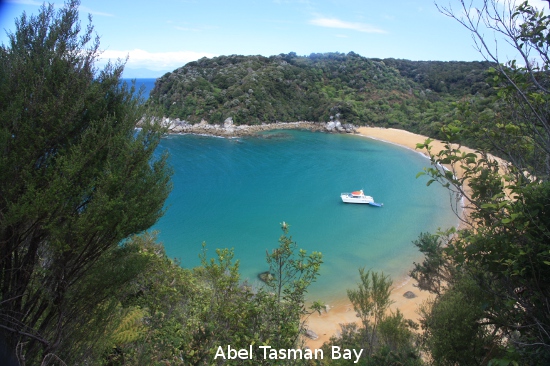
[385,337]
[291,273]
[497,267]
[504,252]
[455,328]
[75,180]
[520,133]
[457,78]
[416,96]
[437,270]
[371,300]
[189,314]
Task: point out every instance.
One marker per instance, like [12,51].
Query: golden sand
[328,324]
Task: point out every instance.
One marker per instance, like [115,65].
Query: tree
[76,179]
[291,272]
[189,313]
[500,261]
[371,302]
[386,336]
[455,331]
[522,129]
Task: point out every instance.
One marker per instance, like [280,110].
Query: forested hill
[415,95]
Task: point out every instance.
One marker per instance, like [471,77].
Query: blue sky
[161,35]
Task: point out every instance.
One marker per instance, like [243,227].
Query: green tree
[76,179]
[292,271]
[386,336]
[521,129]
[187,314]
[500,261]
[456,330]
[371,302]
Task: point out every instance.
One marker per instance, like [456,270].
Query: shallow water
[235,193]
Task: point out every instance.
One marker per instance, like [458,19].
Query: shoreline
[327,324]
[229,130]
[341,311]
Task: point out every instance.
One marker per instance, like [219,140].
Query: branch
[39,339]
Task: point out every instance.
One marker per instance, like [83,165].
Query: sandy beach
[341,312]
[327,324]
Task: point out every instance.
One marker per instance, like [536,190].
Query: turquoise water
[234,193]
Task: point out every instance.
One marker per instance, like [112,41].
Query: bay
[234,193]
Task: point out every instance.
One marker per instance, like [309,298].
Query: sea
[147,84]
[236,192]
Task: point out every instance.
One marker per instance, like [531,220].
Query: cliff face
[321,87]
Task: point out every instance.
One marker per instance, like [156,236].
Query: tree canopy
[419,96]
[498,265]
[76,180]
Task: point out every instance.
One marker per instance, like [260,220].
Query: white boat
[358,197]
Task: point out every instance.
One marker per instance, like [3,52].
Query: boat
[359,197]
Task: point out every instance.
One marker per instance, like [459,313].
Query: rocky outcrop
[229,129]
[265,276]
[311,334]
[337,126]
[409,295]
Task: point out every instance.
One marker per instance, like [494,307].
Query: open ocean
[148,85]
[234,193]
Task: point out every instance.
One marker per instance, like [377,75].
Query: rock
[265,276]
[409,295]
[228,123]
[311,334]
[229,129]
[330,126]
[349,128]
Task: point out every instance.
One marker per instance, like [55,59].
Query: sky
[162,35]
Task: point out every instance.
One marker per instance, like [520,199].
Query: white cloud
[154,60]
[87,10]
[337,23]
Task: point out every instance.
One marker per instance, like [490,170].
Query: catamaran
[358,197]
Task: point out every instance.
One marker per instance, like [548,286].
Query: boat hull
[349,198]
